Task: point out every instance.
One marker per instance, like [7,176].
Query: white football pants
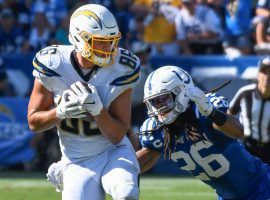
[115,172]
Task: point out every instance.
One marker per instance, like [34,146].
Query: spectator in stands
[11,36]
[61,34]
[262,35]
[24,23]
[253,103]
[107,3]
[237,27]
[198,29]
[159,30]
[123,17]
[136,28]
[6,89]
[217,6]
[54,10]
[18,8]
[263,8]
[40,34]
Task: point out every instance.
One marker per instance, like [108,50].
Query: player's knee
[128,191]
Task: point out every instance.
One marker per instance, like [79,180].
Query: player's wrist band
[218,117]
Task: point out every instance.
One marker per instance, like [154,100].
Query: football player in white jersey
[85,90]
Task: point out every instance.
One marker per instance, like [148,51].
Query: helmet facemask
[165,93]
[165,106]
[99,57]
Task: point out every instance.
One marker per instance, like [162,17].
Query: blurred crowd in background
[148,27]
[167,27]
[170,27]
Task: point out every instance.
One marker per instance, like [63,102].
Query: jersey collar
[76,66]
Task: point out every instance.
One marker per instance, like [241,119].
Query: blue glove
[151,138]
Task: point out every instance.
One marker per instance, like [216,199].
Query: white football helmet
[93,22]
[164,93]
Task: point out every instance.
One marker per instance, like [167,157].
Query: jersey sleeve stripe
[128,79]
[43,69]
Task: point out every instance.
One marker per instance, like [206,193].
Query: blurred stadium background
[26,26]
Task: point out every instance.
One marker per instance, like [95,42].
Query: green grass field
[32,186]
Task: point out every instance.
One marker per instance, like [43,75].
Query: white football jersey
[56,69]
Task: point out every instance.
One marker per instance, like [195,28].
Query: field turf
[33,186]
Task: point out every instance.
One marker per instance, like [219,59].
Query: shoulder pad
[46,61]
[128,67]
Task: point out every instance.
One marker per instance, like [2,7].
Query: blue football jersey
[216,159]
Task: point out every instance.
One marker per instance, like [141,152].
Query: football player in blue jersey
[193,129]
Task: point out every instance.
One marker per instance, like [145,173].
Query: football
[87,87]
[88,117]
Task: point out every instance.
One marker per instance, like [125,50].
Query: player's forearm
[147,159]
[134,139]
[231,128]
[42,120]
[111,128]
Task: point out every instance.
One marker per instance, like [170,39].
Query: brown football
[88,117]
[87,87]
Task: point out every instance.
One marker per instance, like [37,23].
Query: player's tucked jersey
[56,69]
[209,155]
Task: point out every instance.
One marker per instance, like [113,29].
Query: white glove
[202,103]
[55,176]
[69,108]
[87,96]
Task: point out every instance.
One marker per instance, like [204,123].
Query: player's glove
[87,96]
[198,96]
[151,139]
[55,176]
[69,108]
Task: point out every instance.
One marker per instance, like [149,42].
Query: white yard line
[23,183]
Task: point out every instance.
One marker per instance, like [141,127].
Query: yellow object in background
[159,30]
